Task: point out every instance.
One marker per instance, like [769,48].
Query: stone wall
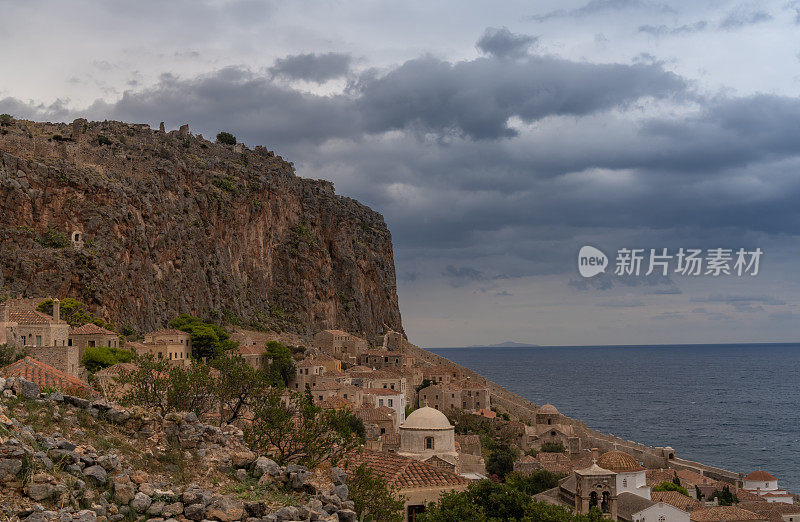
[64,358]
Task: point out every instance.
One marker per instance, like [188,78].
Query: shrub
[98,357]
[552,447]
[538,481]
[374,498]
[671,486]
[74,313]
[6,120]
[725,497]
[208,339]
[10,354]
[53,239]
[226,138]
[103,140]
[501,459]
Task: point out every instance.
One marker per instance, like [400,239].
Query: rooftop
[91,329]
[675,499]
[31,317]
[427,418]
[724,514]
[618,461]
[168,331]
[45,376]
[403,472]
[760,476]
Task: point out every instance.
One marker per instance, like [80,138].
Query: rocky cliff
[143,225]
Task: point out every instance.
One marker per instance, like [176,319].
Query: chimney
[595,454]
[56,310]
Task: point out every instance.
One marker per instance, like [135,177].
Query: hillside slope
[173,223]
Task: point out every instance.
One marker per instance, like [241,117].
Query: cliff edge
[143,225]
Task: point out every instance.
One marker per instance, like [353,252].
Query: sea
[735,406]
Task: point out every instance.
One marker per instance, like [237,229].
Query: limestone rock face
[193,226]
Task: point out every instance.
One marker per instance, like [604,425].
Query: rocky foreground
[67,458]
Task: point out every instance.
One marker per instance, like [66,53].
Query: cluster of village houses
[419,453]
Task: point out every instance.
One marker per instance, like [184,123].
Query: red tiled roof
[760,476]
[30,317]
[370,414]
[116,369]
[724,513]
[402,472]
[250,350]
[657,476]
[308,363]
[676,499]
[45,376]
[90,329]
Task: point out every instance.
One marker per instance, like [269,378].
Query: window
[429,443]
[38,340]
[383,431]
[624,483]
[380,402]
[662,518]
[91,344]
[69,342]
[390,402]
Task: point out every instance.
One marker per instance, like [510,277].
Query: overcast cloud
[495,149]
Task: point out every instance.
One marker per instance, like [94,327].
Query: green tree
[208,339]
[6,120]
[236,385]
[226,138]
[725,497]
[280,368]
[301,431]
[53,239]
[671,486]
[98,357]
[193,388]
[538,481]
[424,384]
[501,459]
[10,354]
[374,498]
[552,447]
[74,313]
[491,501]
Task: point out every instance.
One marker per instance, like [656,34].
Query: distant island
[507,344]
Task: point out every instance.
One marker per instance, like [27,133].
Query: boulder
[346,515]
[141,502]
[124,492]
[338,476]
[25,388]
[225,509]
[265,466]
[256,509]
[341,491]
[9,469]
[242,459]
[97,474]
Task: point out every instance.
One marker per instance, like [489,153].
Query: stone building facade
[90,335]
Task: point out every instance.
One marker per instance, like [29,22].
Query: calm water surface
[732,406]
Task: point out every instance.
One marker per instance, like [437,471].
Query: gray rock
[9,469]
[341,491]
[84,516]
[299,479]
[241,475]
[27,389]
[172,510]
[287,513]
[265,466]
[346,515]
[255,509]
[225,509]
[55,397]
[194,511]
[338,476]
[141,502]
[156,508]
[97,474]
[41,491]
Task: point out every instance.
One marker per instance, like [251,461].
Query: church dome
[548,409]
[618,461]
[427,418]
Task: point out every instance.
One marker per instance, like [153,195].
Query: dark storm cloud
[502,43]
[477,98]
[312,67]
[460,275]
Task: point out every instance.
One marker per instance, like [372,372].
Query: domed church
[427,435]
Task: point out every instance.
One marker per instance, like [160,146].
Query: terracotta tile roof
[760,476]
[90,329]
[250,350]
[403,472]
[30,317]
[335,403]
[673,498]
[691,478]
[761,507]
[657,476]
[744,495]
[371,414]
[723,514]
[359,368]
[325,358]
[45,376]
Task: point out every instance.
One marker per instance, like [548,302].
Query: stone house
[377,421]
[377,359]
[171,336]
[177,353]
[393,399]
[442,397]
[353,394]
[306,373]
[419,483]
[91,335]
[441,373]
[331,364]
[340,345]
[380,379]
[474,396]
[254,356]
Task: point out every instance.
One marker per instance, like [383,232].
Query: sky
[497,139]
